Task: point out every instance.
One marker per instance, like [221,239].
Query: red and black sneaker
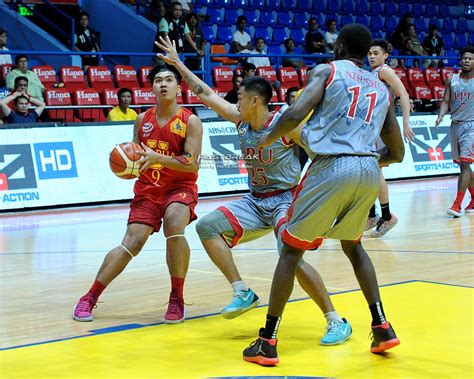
[262,351]
[383,338]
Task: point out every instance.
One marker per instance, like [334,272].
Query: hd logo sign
[54,160]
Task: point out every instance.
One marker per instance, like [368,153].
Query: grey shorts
[462,141]
[332,200]
[252,217]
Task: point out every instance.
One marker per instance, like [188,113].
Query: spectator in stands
[249,70]
[408,50]
[122,112]
[197,36]
[176,28]
[259,49]
[289,61]
[331,35]
[4,58]
[391,62]
[231,96]
[156,11]
[434,46]
[314,40]
[401,31]
[241,41]
[86,40]
[35,87]
[20,114]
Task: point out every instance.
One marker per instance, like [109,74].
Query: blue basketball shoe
[243,301]
[336,333]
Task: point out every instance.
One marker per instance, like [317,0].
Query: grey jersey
[462,99]
[349,118]
[273,168]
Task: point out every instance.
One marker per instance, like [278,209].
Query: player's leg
[384,336]
[177,216]
[470,207]
[114,263]
[388,220]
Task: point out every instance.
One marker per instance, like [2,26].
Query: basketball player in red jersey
[166,191]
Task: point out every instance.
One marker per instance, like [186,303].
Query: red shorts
[150,210]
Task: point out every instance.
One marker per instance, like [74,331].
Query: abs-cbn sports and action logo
[18,175]
[431,149]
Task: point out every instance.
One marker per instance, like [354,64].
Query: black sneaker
[262,351]
[383,338]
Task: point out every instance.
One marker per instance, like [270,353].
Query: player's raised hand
[148,158]
[169,48]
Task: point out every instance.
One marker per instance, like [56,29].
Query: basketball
[123,160]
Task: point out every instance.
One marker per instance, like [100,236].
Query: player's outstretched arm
[308,100]
[394,149]
[202,90]
[188,162]
[445,103]
[387,74]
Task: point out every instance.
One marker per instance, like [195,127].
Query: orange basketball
[123,160]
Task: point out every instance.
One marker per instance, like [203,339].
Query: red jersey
[169,140]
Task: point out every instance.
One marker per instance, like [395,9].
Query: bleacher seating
[222,77]
[99,77]
[143,96]
[46,74]
[303,75]
[5,69]
[109,96]
[143,72]
[72,77]
[438,92]
[59,97]
[288,77]
[87,97]
[125,76]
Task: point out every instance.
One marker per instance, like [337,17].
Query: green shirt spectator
[35,87]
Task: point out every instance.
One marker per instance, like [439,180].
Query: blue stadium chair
[448,25]
[430,10]
[206,3]
[224,34]
[391,8]
[376,23]
[240,4]
[448,41]
[319,17]
[417,10]
[273,4]
[284,18]
[288,4]
[215,15]
[460,41]
[362,7]
[279,34]
[318,6]
[252,17]
[404,8]
[444,10]
[329,16]
[257,4]
[230,16]
[391,23]
[471,39]
[420,25]
[347,7]
[435,21]
[377,35]
[454,61]
[267,18]
[347,19]
[262,32]
[376,8]
[209,34]
[462,26]
[362,20]
[305,4]
[274,50]
[333,6]
[298,36]
[300,19]
[223,3]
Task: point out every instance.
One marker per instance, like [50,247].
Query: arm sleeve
[163,26]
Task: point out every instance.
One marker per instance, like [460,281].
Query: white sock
[332,316]
[239,286]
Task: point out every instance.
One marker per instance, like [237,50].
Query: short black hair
[260,86]
[235,77]
[17,79]
[356,39]
[467,49]
[240,19]
[84,13]
[248,66]
[190,15]
[163,67]
[121,91]
[290,90]
[433,27]
[173,3]
[15,101]
[329,21]
[259,38]
[2,31]
[380,43]
[20,56]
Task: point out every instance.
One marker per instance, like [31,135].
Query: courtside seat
[446,73]
[438,92]
[5,69]
[423,93]
[220,49]
[432,77]
[143,96]
[222,77]
[59,97]
[189,96]
[219,91]
[99,77]
[125,76]
[282,94]
[288,77]
[415,77]
[267,72]
[143,72]
[302,75]
[401,73]
[87,97]
[109,96]
[46,74]
[72,77]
